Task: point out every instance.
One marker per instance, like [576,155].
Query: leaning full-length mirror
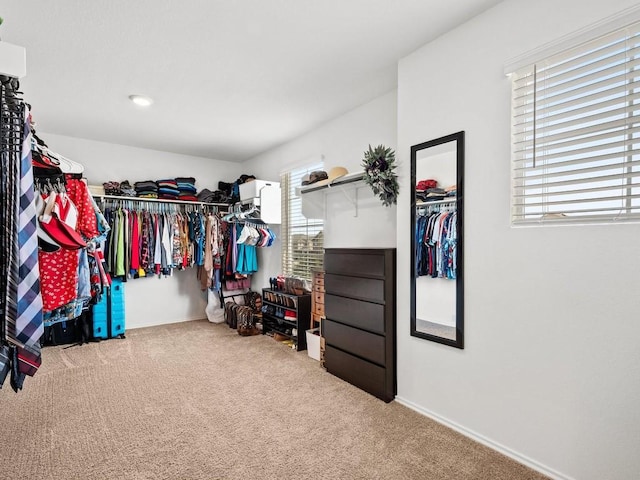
[437,280]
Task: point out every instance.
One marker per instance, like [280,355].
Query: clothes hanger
[65,164]
[229,216]
[72,167]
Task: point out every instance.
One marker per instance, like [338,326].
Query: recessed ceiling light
[141,100]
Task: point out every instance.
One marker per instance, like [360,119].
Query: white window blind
[576,133]
[302,238]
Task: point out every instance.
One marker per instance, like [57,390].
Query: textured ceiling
[230,79]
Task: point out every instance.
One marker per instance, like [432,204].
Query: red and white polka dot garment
[59,270]
[58,277]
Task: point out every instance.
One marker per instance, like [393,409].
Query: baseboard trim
[485,441]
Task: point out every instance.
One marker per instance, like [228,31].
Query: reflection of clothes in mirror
[436,244]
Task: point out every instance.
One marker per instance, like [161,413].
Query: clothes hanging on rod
[73,279]
[52,268]
[243,232]
[59,269]
[436,240]
[155,238]
[244,237]
[72,272]
[20,299]
[213,252]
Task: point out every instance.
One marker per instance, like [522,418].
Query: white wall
[550,372]
[342,142]
[149,301]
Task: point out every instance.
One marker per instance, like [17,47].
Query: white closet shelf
[157,200]
[436,202]
[314,197]
[349,178]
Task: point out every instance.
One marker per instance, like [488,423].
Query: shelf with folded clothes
[159,200]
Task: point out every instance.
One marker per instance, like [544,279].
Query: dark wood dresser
[360,324]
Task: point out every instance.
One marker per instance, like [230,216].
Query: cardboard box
[252,189]
[313,343]
[96,190]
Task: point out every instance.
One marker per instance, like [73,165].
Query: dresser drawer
[319,288]
[357,313]
[356,264]
[368,289]
[318,309]
[318,297]
[369,346]
[365,375]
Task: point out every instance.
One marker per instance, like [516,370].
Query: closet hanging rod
[157,200]
[436,202]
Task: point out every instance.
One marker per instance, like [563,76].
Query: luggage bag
[109,314]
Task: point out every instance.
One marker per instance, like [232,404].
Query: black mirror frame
[459,139]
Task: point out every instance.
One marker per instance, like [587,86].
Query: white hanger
[66,165]
[69,165]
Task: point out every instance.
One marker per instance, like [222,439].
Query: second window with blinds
[302,238]
[576,133]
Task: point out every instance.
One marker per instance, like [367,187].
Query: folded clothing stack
[428,191]
[187,189]
[127,190]
[431,194]
[146,189]
[207,196]
[424,185]
[112,188]
[168,189]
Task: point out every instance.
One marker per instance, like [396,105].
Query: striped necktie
[17,214]
[10,194]
[5,363]
[29,327]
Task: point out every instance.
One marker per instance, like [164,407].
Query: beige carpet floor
[197,401]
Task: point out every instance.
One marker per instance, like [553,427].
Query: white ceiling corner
[229,79]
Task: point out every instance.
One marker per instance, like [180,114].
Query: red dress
[79,194]
[59,270]
[58,277]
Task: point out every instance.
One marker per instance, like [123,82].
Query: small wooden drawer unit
[360,328]
[317,307]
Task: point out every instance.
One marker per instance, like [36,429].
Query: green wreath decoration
[379,165]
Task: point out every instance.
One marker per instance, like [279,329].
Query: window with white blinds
[302,238]
[576,133]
